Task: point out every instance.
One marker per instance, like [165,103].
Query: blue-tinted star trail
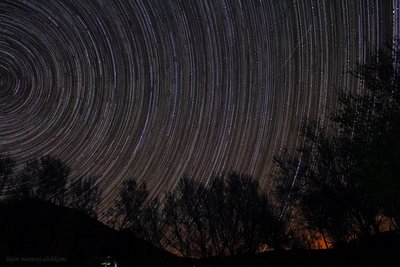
[157,89]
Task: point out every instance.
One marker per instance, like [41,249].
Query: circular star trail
[157,89]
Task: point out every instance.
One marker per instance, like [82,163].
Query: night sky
[157,89]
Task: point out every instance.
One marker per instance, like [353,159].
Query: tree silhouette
[131,211]
[44,178]
[344,180]
[252,219]
[26,181]
[52,175]
[177,226]
[85,195]
[375,129]
[152,223]
[228,216]
[191,203]
[7,166]
[218,216]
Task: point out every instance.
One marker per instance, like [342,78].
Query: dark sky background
[157,89]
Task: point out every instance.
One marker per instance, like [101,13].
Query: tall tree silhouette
[251,219]
[375,128]
[345,179]
[218,216]
[129,207]
[178,227]
[191,203]
[134,212]
[152,223]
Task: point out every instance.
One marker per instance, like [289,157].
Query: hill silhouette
[37,233]
[34,233]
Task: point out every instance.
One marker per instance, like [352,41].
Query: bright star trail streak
[157,89]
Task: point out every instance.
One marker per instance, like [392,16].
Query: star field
[157,89]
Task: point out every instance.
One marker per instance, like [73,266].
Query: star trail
[158,89]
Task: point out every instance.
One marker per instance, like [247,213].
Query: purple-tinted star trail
[157,89]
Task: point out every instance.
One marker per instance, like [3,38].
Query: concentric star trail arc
[157,89]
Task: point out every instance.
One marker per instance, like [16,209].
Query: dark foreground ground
[361,257]
[41,234]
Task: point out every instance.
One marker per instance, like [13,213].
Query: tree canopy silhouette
[47,178]
[344,180]
[228,216]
